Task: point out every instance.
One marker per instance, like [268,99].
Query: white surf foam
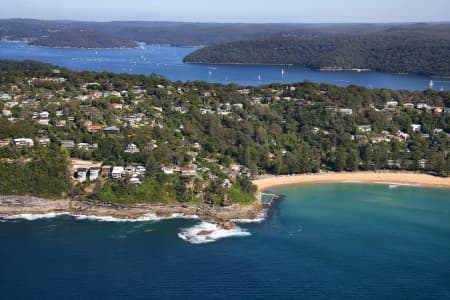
[32,217]
[210,232]
[261,217]
[143,218]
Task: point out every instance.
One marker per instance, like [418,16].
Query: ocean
[325,241]
[167,61]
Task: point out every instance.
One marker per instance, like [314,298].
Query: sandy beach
[361,177]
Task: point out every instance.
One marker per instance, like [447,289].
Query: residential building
[21,142]
[132,148]
[117,172]
[81,174]
[69,144]
[93,173]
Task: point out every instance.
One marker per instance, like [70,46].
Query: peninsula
[127,146]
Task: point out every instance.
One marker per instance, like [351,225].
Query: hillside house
[23,142]
[117,172]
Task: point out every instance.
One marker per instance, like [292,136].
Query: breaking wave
[143,218]
[209,232]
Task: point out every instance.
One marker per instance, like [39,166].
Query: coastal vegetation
[157,141]
[388,51]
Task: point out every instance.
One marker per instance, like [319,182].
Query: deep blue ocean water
[167,61]
[328,241]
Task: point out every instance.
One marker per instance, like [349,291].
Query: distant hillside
[125,33]
[26,65]
[416,49]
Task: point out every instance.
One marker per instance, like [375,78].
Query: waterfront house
[117,172]
[93,173]
[81,174]
[106,170]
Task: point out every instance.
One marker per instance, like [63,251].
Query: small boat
[282,72]
[259,77]
[431,84]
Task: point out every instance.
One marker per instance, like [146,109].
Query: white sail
[431,84]
[282,72]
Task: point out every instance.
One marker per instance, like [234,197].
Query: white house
[416,127]
[117,172]
[44,115]
[132,148]
[20,142]
[365,128]
[68,144]
[7,113]
[93,173]
[168,170]
[81,174]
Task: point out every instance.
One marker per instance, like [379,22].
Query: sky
[245,11]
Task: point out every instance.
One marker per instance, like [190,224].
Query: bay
[167,61]
[326,241]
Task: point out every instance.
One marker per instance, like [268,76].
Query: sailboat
[431,84]
[259,77]
[282,72]
[209,72]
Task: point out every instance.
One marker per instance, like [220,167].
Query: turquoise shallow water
[328,241]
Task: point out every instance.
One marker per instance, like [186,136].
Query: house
[346,111]
[112,130]
[81,174]
[168,170]
[21,142]
[391,103]
[93,128]
[116,105]
[439,109]
[135,180]
[106,170]
[365,128]
[423,163]
[416,127]
[44,141]
[5,142]
[437,130]
[117,172]
[402,136]
[188,171]
[69,144]
[44,122]
[140,170]
[61,123]
[132,148]
[129,170]
[408,105]
[7,113]
[6,97]
[422,106]
[83,146]
[11,104]
[44,115]
[93,173]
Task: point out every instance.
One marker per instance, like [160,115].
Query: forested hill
[394,51]
[127,33]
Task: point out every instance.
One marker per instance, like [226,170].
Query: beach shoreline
[401,178]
